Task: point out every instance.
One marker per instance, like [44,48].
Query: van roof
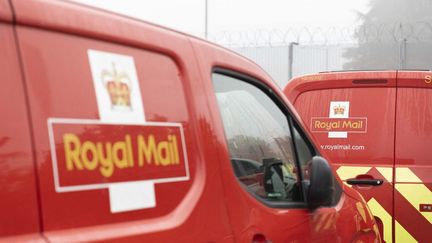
[348,79]
[88,21]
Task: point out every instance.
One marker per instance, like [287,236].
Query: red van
[117,130]
[376,127]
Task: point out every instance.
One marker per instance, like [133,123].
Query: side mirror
[321,188]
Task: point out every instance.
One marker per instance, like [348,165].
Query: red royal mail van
[117,130]
[376,127]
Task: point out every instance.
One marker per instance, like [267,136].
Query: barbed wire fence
[381,33]
[297,51]
[277,37]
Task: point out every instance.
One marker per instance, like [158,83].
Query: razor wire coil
[380,33]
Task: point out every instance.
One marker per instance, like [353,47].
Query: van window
[259,140]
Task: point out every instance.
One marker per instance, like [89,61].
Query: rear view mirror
[321,188]
[279,181]
[273,178]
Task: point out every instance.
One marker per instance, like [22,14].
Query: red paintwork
[174,72]
[413,145]
[19,208]
[338,80]
[398,130]
[5,11]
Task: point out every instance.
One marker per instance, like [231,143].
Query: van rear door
[352,117]
[413,170]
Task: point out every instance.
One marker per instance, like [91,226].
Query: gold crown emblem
[118,86]
[339,110]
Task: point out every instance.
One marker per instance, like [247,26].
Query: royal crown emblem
[118,86]
[339,110]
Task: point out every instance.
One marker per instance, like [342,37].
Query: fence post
[206,19]
[290,59]
[402,53]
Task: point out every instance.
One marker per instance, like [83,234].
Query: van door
[352,118]
[19,207]
[413,172]
[262,156]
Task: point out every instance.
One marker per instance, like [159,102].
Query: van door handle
[365,182]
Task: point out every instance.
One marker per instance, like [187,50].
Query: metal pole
[291,59]
[402,49]
[327,59]
[206,19]
[402,54]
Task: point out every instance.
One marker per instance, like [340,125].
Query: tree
[393,34]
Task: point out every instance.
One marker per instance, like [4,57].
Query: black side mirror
[321,188]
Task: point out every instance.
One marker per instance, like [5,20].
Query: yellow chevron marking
[386,172]
[385,217]
[402,235]
[347,172]
[406,175]
[330,222]
[361,211]
[320,220]
[417,194]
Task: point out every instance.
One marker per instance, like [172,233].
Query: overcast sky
[238,15]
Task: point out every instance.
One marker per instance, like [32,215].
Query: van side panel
[413,176]
[18,197]
[62,86]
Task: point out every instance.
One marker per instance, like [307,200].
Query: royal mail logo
[339,124]
[89,154]
[118,86]
[339,110]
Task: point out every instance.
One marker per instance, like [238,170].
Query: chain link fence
[297,51]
